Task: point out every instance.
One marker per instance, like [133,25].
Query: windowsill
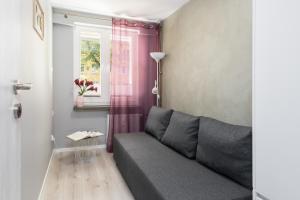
[92,95]
[91,108]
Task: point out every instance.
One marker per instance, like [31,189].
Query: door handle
[17,109]
[21,86]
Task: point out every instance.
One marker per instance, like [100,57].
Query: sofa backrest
[227,149]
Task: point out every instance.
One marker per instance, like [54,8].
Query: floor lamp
[157,56]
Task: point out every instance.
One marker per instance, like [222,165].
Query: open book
[80,135]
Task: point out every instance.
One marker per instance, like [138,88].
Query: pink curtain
[133,73]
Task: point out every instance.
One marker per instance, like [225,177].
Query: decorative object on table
[157,56]
[38,19]
[84,86]
[81,135]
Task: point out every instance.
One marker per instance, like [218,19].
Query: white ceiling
[147,10]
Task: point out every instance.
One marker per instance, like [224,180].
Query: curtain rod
[66,14]
[108,18]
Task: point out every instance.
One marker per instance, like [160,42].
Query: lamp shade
[157,56]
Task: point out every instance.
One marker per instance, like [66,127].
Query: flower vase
[79,101]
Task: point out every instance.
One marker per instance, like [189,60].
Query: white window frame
[105,49]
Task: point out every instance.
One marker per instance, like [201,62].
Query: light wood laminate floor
[81,178]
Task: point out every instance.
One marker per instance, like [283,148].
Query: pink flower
[88,83]
[76,82]
[81,82]
[91,88]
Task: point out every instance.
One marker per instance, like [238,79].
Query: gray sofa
[182,157]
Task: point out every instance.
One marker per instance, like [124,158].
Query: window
[90,62]
[92,52]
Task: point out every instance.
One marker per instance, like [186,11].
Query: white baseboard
[46,174]
[80,148]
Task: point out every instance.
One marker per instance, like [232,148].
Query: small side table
[83,151]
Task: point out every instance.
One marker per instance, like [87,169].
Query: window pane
[90,61]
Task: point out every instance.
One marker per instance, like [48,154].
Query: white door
[276,99]
[10,134]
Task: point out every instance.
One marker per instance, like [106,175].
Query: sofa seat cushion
[154,171]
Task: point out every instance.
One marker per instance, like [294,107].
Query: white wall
[66,120]
[276,99]
[36,121]
[209,58]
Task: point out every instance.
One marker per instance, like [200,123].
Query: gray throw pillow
[158,121]
[227,149]
[181,134]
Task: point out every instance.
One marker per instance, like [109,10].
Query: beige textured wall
[207,70]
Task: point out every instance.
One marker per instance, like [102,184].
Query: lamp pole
[157,56]
[158,81]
